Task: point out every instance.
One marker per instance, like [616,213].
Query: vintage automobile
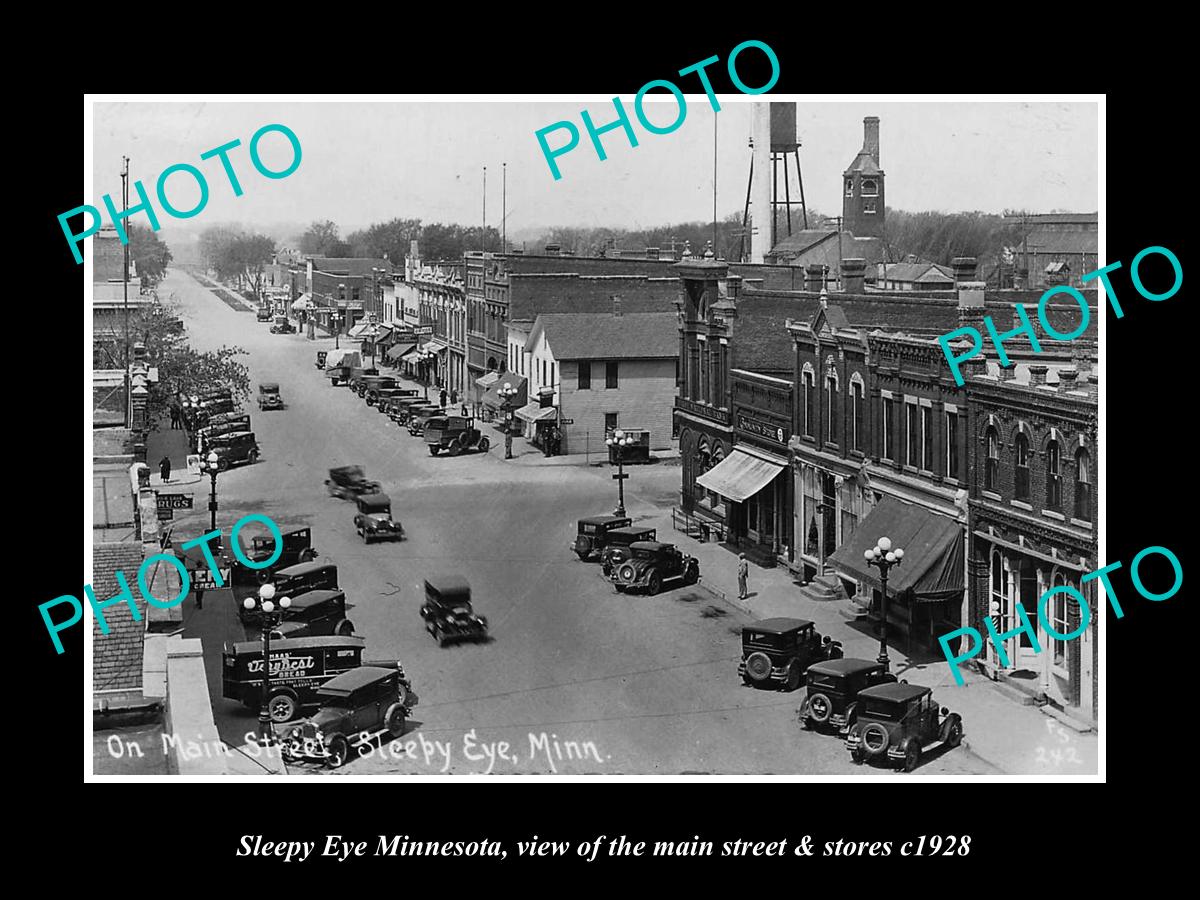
[310,614]
[374,521]
[650,563]
[385,396]
[299,666]
[833,689]
[419,416]
[357,374]
[369,387]
[234,447]
[263,314]
[283,326]
[345,482]
[268,396]
[454,434]
[338,364]
[228,425]
[616,550]
[779,651]
[592,533]
[303,577]
[401,408]
[213,393]
[356,707]
[447,611]
[297,548]
[322,355]
[899,722]
[209,409]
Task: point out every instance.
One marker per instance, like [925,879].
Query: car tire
[582,554]
[433,450]
[484,445]
[857,756]
[691,574]
[283,707]
[748,681]
[455,448]
[222,464]
[395,719]
[912,755]
[794,678]
[758,666]
[620,588]
[345,628]
[654,583]
[874,728]
[954,733]
[820,708]
[339,752]
[252,457]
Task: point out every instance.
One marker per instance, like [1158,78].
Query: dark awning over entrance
[739,476]
[396,351]
[933,551]
[493,399]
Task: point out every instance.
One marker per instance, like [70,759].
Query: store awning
[486,381]
[412,356]
[434,346]
[304,301]
[535,412]
[493,399]
[396,351]
[739,476]
[363,332]
[933,551]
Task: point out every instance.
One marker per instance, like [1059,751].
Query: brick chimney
[651,253]
[853,274]
[970,303]
[1037,374]
[975,366]
[1066,379]
[616,304]
[554,249]
[871,137]
[813,278]
[963,268]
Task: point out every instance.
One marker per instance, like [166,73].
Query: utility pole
[503,207]
[483,237]
[715,252]
[125,288]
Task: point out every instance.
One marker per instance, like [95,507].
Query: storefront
[831,498]
[758,513]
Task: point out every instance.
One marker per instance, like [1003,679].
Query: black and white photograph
[435,437]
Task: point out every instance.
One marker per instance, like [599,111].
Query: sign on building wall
[762,428]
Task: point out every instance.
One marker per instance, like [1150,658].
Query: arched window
[1083,484]
[870,187]
[991,470]
[1053,476]
[856,413]
[849,187]
[809,402]
[701,464]
[1021,462]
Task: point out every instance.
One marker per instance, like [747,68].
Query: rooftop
[609,336]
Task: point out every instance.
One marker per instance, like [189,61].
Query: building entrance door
[1025,657]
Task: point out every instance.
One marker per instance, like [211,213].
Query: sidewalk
[1014,739]
[173,444]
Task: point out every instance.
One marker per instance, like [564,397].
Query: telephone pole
[125,288]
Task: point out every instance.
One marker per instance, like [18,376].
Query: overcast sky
[368,162]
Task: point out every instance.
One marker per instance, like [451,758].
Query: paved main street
[649,682]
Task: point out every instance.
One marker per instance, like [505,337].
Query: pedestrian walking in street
[442,397]
[164,468]
[743,574]
[199,598]
[454,398]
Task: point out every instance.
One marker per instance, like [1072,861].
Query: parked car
[297,548]
[234,447]
[345,482]
[263,314]
[454,434]
[899,722]
[419,416]
[214,429]
[268,396]
[447,611]
[370,386]
[357,374]
[339,362]
[592,533]
[617,542]
[322,355]
[356,707]
[310,614]
[779,651]
[374,521]
[650,563]
[299,666]
[208,409]
[310,576]
[833,689]
[401,408]
[283,326]
[385,396]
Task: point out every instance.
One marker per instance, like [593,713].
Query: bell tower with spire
[862,187]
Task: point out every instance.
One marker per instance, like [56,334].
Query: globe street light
[883,556]
[619,440]
[506,392]
[426,358]
[270,616]
[212,465]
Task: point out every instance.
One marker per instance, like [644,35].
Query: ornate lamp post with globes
[506,392]
[271,615]
[210,466]
[619,440]
[883,556]
[426,358]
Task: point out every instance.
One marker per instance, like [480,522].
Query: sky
[366,162]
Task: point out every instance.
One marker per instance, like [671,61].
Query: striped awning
[739,476]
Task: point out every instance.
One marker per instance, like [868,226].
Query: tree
[150,255]
[385,240]
[322,239]
[251,253]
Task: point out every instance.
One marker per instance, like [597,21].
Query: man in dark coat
[164,468]
[442,397]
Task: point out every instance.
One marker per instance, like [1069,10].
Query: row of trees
[391,240]
[237,255]
[939,237]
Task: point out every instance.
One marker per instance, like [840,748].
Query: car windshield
[588,529]
[882,709]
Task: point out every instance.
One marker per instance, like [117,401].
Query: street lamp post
[374,333]
[212,465]
[427,357]
[883,556]
[506,392]
[620,440]
[271,616]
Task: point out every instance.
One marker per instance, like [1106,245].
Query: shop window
[1083,485]
[1021,460]
[1053,476]
[999,589]
[991,469]
[610,375]
[585,375]
[610,423]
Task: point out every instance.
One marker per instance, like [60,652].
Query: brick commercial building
[599,372]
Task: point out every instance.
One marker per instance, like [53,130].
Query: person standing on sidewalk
[743,571]
[164,468]
[442,397]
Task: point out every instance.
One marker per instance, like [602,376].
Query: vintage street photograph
[656,468]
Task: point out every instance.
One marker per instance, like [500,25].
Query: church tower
[862,187]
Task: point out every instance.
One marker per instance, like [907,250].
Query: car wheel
[691,574]
[793,678]
[954,734]
[747,680]
[605,568]
[253,457]
[222,464]
[339,752]
[345,628]
[874,739]
[283,708]
[455,448]
[433,450]
[758,666]
[912,756]
[819,708]
[654,583]
[582,554]
[484,445]
[857,756]
[394,720]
